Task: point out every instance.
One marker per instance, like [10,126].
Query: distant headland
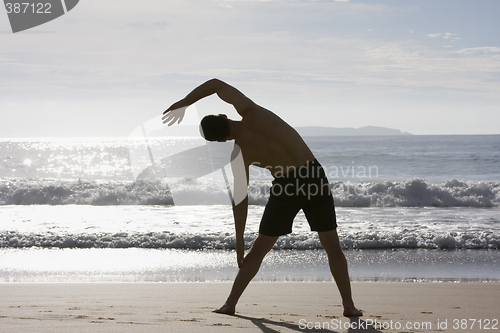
[304,131]
[348,131]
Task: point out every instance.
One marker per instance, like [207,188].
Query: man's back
[269,142]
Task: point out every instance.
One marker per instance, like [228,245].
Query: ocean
[157,209]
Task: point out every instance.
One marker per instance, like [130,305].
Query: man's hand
[175,113]
[240,252]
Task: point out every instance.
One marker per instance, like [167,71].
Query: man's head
[215,127]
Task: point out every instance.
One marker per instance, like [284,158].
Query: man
[265,140]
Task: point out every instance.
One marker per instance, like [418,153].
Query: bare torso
[269,142]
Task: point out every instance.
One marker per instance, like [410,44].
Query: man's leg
[251,264]
[338,267]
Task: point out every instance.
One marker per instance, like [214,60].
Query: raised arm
[227,93]
[233,96]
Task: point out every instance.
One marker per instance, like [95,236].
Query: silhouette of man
[263,139]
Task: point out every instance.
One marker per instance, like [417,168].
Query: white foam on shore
[211,227]
[166,240]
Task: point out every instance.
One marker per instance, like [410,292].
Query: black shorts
[304,188]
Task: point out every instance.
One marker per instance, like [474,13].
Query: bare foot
[226,309]
[351,311]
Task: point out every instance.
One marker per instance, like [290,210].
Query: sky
[421,66]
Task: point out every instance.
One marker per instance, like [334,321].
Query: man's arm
[240,213]
[227,93]
[240,200]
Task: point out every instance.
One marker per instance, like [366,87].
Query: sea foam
[409,193]
[224,240]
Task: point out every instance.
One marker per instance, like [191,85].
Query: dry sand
[264,307]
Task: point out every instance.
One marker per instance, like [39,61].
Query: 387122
[469,324]
[28,8]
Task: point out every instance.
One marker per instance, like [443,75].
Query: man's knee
[263,244]
[330,240]
[329,236]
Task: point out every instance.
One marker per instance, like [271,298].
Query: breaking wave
[357,240]
[410,193]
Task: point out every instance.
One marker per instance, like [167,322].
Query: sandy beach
[264,307]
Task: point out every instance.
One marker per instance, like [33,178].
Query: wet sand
[264,307]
